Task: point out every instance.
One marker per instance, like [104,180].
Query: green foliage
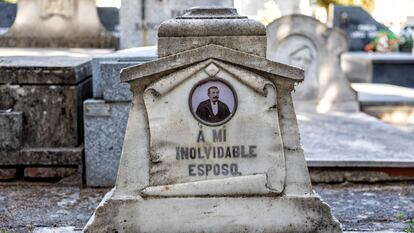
[4,231]
[410,227]
[406,40]
[10,1]
[385,41]
[410,222]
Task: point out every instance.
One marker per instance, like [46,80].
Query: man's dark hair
[212,87]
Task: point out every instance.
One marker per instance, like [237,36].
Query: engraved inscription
[203,152]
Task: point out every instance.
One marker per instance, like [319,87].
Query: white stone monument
[212,142]
[304,42]
[139,20]
[57,23]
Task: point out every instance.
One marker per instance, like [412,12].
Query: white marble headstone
[212,142]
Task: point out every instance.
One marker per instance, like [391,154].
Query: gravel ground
[24,206]
[370,207]
[359,207]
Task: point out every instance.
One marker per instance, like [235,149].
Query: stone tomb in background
[41,121]
[305,42]
[189,165]
[57,23]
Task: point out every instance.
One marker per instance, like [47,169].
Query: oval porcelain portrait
[213,102]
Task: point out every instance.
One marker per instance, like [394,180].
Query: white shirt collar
[214,107]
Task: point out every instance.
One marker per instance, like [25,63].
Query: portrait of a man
[213,110]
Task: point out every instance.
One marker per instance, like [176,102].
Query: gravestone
[57,23]
[41,111]
[358,24]
[305,42]
[212,142]
[140,19]
[106,115]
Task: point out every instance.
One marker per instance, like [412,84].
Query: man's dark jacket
[205,112]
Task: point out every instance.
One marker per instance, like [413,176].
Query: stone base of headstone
[220,214]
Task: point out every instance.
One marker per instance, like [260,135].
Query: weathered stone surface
[8,173]
[141,30]
[168,64]
[166,169]
[44,69]
[134,55]
[244,185]
[220,214]
[105,124]
[47,92]
[11,127]
[52,113]
[42,156]
[49,172]
[113,89]
[179,154]
[305,42]
[224,27]
[48,23]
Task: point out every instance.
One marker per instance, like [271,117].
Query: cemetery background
[382,220]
